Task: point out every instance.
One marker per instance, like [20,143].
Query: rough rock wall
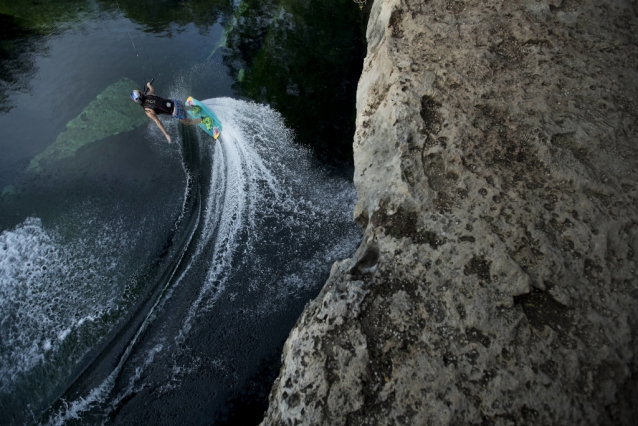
[496,161]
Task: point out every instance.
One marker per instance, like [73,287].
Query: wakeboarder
[154,105]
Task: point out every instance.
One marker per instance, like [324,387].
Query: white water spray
[264,195]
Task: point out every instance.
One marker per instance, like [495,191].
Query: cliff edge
[496,164]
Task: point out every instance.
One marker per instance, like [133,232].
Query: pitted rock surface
[496,165]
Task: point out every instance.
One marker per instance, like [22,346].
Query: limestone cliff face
[496,161]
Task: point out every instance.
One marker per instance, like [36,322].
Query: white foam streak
[257,173]
[51,289]
[224,216]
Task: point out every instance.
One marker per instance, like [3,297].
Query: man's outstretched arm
[153,117]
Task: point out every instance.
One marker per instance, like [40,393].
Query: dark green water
[147,282]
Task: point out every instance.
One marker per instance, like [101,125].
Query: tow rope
[148,58]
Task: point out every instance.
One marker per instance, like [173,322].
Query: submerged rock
[496,283]
[112,112]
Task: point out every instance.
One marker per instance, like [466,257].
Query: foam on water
[58,294]
[264,185]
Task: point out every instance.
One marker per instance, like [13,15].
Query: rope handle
[146,87]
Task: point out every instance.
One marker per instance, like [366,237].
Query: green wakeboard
[210,123]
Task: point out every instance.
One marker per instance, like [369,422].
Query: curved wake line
[250,167]
[74,410]
[264,197]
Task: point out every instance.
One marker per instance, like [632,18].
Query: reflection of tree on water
[304,59]
[47,15]
[24,24]
[17,45]
[162,17]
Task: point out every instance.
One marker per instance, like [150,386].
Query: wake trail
[268,214]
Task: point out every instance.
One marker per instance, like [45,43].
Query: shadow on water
[168,17]
[247,406]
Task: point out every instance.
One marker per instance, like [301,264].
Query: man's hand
[168,138]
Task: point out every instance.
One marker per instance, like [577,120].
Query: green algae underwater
[109,114]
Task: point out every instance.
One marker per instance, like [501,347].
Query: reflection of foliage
[228,28]
[304,58]
[16,59]
[159,16]
[112,112]
[24,23]
[45,15]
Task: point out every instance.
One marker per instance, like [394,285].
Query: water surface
[146,282]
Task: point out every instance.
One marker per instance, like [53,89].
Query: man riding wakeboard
[154,105]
